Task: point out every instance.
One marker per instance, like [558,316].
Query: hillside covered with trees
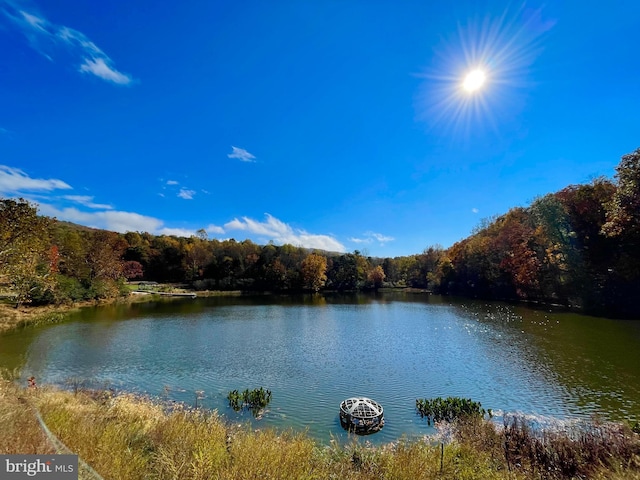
[578,247]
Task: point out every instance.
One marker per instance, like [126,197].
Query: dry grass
[20,431]
[126,437]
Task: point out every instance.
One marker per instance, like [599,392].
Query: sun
[480,71]
[474,80]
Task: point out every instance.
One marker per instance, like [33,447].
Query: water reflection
[313,351]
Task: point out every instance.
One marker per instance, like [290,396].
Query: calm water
[313,352]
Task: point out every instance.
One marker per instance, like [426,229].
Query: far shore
[12,318]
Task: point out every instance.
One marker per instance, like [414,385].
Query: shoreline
[132,437]
[12,318]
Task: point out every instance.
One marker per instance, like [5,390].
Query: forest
[578,247]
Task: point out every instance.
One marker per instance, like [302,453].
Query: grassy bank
[127,437]
[12,318]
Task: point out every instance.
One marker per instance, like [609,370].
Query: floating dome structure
[361,415]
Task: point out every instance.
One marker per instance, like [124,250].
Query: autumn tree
[72,245]
[132,270]
[104,258]
[376,277]
[314,272]
[25,253]
[275,275]
[623,211]
[515,244]
[197,256]
[429,262]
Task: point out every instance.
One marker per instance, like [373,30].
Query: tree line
[578,247]
[44,261]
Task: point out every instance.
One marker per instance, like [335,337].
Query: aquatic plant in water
[449,409]
[254,400]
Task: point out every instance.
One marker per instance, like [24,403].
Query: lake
[314,351]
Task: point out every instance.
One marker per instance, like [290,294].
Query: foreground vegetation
[126,437]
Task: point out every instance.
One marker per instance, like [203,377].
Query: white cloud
[281,233]
[186,194]
[15,181]
[214,229]
[475,210]
[176,232]
[241,154]
[48,39]
[116,221]
[370,237]
[172,182]
[87,201]
[113,220]
[100,68]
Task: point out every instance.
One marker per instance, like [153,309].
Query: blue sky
[331,124]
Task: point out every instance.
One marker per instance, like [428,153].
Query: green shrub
[101,289]
[69,290]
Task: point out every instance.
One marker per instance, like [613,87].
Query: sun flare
[474,80]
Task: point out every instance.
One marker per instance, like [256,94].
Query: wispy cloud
[172,182]
[371,237]
[241,154]
[50,39]
[475,210]
[281,233]
[100,68]
[186,193]
[87,201]
[15,181]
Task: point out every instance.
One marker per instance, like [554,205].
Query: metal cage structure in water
[361,415]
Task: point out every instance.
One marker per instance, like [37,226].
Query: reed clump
[448,409]
[127,437]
